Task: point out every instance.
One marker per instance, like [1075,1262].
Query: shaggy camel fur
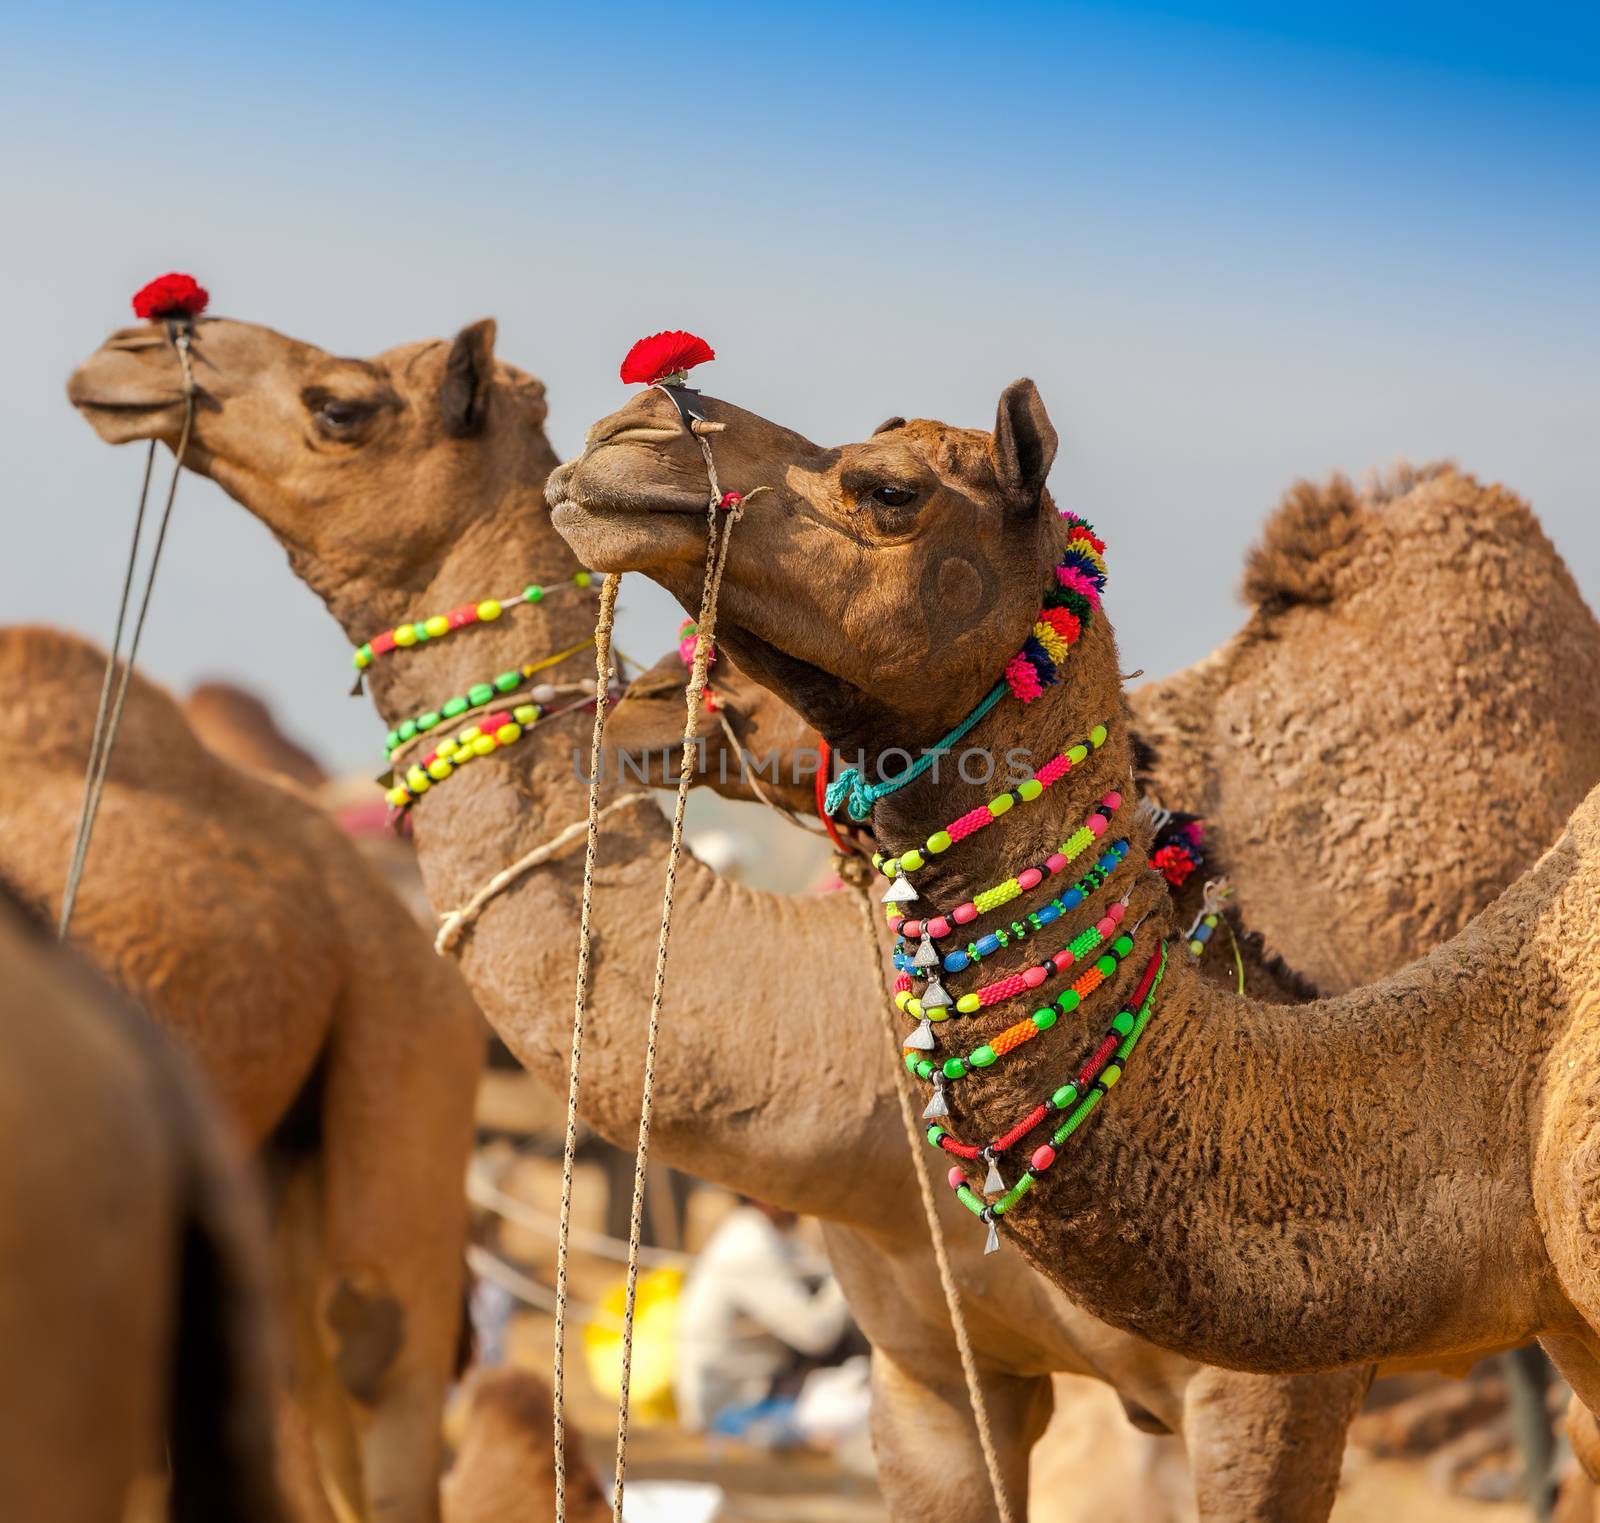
[251,930]
[412,482]
[131,1322]
[1400,1173]
[1410,713]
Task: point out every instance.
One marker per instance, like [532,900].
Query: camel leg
[1579,1365]
[319,1462]
[930,1464]
[397,1130]
[1268,1448]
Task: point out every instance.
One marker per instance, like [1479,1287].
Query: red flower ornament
[665,357]
[171,295]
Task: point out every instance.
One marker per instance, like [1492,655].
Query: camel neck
[726,1081]
[1146,1221]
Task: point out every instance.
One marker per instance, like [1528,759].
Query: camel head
[365,469]
[879,587]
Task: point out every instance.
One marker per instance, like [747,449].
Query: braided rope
[108,715]
[569,1147]
[711,587]
[952,1294]
[453,923]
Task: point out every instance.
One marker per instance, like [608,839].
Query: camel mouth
[128,406]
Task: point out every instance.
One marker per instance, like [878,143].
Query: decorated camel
[1396,1174]
[339,1047]
[131,1314]
[435,458]
[1360,821]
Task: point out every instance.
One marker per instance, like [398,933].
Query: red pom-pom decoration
[171,296]
[653,359]
[1174,864]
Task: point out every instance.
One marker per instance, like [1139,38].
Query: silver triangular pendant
[936,1107]
[993,1184]
[921,1038]
[991,1244]
[900,891]
[935,996]
[926,956]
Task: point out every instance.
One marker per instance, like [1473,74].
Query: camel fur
[336,1044]
[132,1320]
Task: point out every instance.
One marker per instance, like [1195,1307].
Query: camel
[336,1044]
[413,481]
[1395,1174]
[132,1317]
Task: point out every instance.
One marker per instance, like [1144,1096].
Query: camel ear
[1024,445]
[888,426]
[468,375]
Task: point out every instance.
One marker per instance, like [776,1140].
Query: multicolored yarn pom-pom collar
[1069,605]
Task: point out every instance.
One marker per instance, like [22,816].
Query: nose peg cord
[108,715]
[722,514]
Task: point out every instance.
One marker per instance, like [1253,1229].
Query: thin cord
[105,728]
[716,564]
[569,1148]
[453,923]
[755,785]
[914,1139]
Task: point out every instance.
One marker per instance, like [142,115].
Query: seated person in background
[751,1323]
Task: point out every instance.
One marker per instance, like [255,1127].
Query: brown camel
[435,458]
[131,1327]
[338,1045]
[1352,817]
[1396,1174]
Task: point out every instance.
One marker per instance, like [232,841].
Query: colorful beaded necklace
[1003,988]
[1078,1098]
[1080,577]
[442,624]
[984,815]
[481,695]
[989,1053]
[938,926]
[502,728]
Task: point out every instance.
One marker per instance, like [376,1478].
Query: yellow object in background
[655,1345]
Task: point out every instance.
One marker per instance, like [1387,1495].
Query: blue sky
[1234,244]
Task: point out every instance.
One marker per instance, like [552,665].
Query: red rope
[824,755]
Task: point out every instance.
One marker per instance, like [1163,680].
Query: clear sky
[1234,244]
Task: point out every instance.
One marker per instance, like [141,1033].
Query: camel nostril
[637,433]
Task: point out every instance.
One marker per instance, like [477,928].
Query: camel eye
[893,496]
[340,414]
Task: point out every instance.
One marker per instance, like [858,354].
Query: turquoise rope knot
[858,795]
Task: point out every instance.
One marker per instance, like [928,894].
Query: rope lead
[108,716]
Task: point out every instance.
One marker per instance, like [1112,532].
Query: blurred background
[1235,244]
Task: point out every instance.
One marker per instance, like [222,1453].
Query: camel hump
[1323,540]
